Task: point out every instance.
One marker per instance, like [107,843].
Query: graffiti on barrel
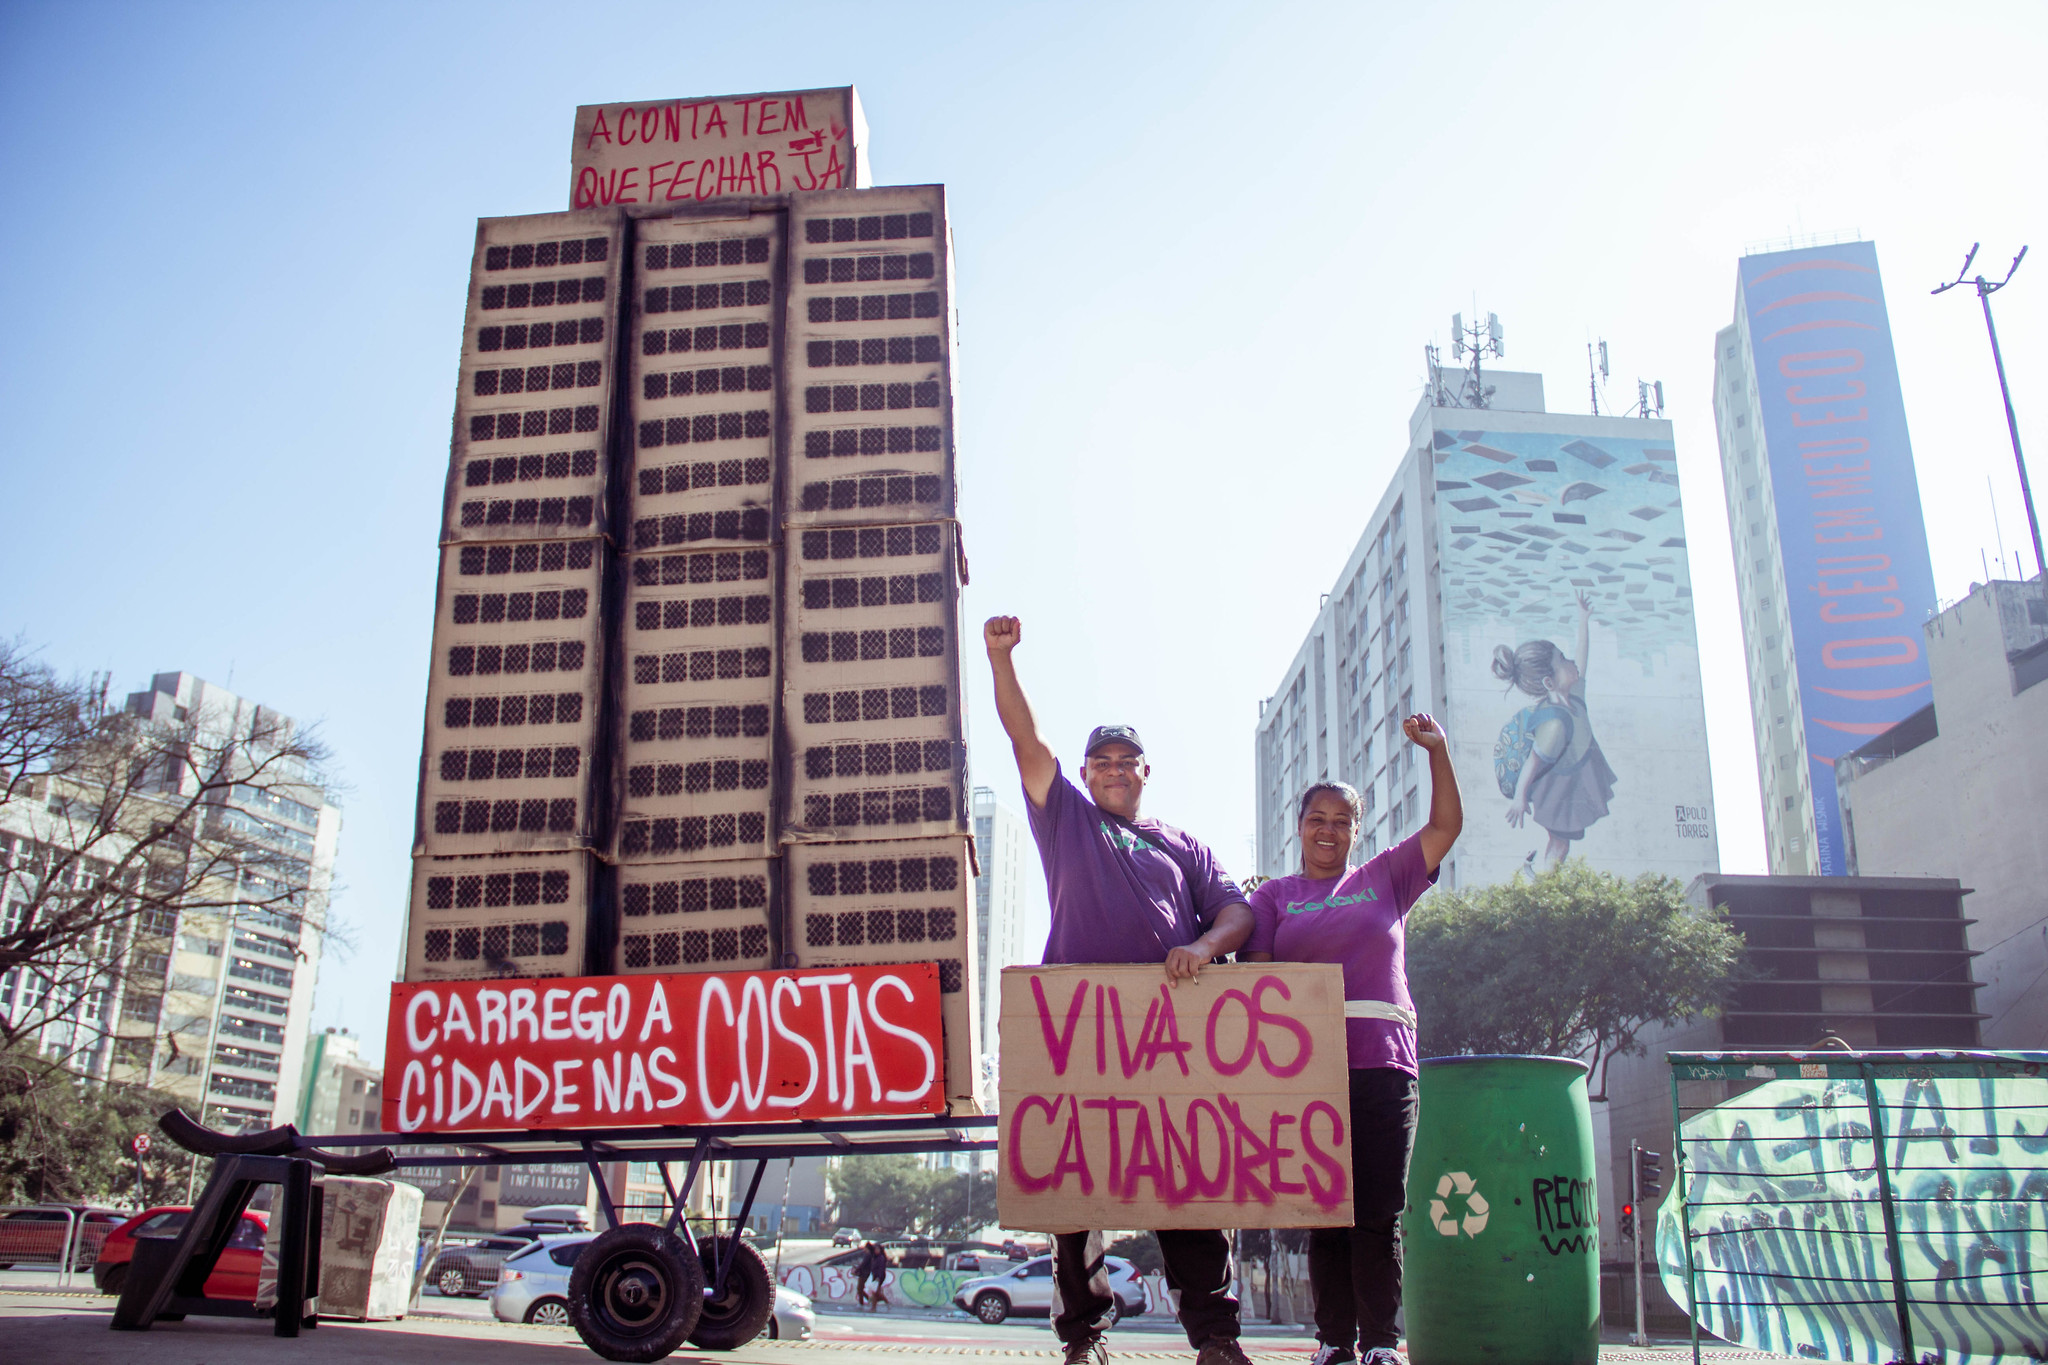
[1785,1203]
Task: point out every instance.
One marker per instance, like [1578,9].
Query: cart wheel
[635,1293]
[735,1317]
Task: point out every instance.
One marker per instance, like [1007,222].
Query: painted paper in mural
[1572,662]
[1789,1229]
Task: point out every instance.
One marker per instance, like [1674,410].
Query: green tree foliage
[1570,963]
[882,1195]
[65,1140]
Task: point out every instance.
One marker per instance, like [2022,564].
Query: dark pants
[1356,1271]
[1197,1266]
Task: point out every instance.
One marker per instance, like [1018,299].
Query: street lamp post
[1985,289]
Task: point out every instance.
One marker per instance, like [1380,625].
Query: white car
[533,1286]
[1027,1291]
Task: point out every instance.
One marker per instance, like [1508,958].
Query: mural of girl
[1563,782]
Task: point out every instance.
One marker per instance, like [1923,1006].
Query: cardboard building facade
[695,694]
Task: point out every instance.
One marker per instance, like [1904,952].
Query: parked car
[533,1286]
[38,1235]
[533,1282]
[470,1268]
[1027,1291]
[846,1237]
[793,1319]
[234,1274]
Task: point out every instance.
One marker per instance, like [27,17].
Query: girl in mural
[1547,761]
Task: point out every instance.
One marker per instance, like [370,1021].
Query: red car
[233,1277]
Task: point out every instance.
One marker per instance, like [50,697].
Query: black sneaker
[1223,1351]
[1090,1351]
[1332,1355]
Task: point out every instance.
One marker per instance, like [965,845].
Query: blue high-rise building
[1831,564]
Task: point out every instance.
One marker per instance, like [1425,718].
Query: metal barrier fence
[1861,1206]
[58,1235]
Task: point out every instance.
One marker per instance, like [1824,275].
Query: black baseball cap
[1112,734]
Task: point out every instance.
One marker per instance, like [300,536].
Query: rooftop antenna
[1596,373]
[1985,289]
[1477,341]
[1649,398]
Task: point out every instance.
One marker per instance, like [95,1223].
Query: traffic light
[1628,1222]
[1649,1174]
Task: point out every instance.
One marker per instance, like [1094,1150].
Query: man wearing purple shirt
[1122,890]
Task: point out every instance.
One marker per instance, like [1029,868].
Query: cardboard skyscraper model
[695,696]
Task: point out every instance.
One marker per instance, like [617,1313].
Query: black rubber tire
[636,1293]
[991,1307]
[737,1316]
[456,1273]
[542,1312]
[116,1276]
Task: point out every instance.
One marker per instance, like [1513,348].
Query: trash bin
[1501,1230]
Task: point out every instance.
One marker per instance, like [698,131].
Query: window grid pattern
[503,469]
[669,836]
[693,895]
[746,943]
[538,336]
[683,613]
[536,708]
[717,566]
[856,706]
[654,480]
[494,943]
[544,293]
[666,723]
[878,809]
[547,255]
[530,815]
[506,426]
[537,656]
[687,528]
[869,268]
[895,490]
[849,351]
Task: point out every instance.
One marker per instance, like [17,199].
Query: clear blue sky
[1200,249]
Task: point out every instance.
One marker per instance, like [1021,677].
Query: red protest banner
[1218,1103]
[710,1047]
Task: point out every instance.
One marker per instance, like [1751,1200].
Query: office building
[694,700]
[1877,962]
[1463,594]
[1957,789]
[340,1092]
[210,1001]
[1831,568]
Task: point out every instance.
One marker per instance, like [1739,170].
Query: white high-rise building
[208,1003]
[1463,598]
[1002,842]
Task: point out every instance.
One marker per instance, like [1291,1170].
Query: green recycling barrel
[1500,1234]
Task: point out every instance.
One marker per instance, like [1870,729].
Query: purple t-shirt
[1355,921]
[1116,898]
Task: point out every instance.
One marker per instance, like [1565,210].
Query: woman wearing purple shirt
[1333,912]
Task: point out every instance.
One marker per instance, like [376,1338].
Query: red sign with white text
[618,1051]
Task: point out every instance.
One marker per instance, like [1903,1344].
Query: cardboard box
[369,1239]
[693,769]
[1216,1103]
[512,915]
[697,916]
[682,151]
[870,324]
[909,900]
[512,704]
[705,393]
[532,408]
[872,716]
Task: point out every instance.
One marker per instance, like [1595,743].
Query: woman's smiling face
[1326,834]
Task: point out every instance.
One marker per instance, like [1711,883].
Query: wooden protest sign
[1217,1103]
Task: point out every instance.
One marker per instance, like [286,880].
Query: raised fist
[1421,728]
[1002,633]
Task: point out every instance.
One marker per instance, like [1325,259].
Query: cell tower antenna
[1475,341]
[1596,372]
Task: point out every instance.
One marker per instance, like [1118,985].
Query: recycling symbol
[1474,1221]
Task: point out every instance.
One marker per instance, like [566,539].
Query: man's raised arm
[1035,761]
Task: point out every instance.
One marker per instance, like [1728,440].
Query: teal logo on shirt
[1307,906]
[1123,838]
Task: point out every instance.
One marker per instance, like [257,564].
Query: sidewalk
[48,1324]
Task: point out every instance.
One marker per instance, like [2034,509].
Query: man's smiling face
[1115,775]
